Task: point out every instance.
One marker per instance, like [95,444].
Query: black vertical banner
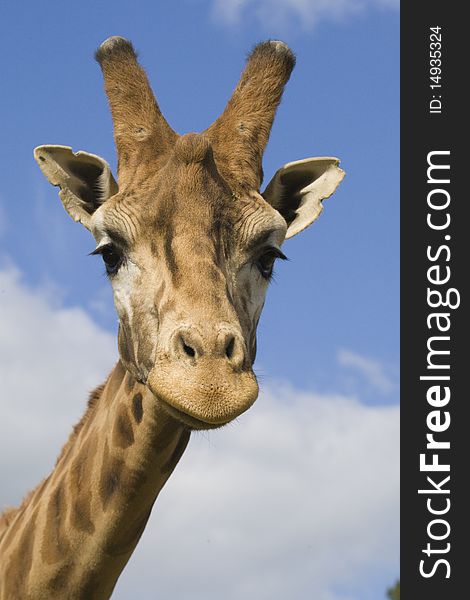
[435,330]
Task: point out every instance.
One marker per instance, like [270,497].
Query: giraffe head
[187,239]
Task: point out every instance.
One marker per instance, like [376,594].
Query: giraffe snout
[204,377]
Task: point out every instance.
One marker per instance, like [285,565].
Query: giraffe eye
[112,258]
[265,262]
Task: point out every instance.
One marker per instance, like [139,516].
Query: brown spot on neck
[60,581]
[80,481]
[56,545]
[110,479]
[123,434]
[137,408]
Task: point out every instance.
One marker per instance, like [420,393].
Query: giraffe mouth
[188,420]
[205,399]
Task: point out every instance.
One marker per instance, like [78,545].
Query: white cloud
[50,359]
[297,499]
[370,369]
[304,13]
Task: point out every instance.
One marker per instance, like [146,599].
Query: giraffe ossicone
[189,243]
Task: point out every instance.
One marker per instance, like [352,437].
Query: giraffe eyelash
[266,259]
[112,257]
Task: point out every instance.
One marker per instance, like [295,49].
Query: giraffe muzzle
[205,386]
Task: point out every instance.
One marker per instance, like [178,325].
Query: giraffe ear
[298,188]
[85,180]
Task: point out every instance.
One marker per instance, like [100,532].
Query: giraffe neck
[75,533]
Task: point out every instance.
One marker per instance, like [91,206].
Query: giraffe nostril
[188,350]
[230,347]
[187,344]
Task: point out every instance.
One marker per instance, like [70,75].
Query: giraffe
[188,243]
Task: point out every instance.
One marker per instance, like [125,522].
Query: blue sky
[329,330]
